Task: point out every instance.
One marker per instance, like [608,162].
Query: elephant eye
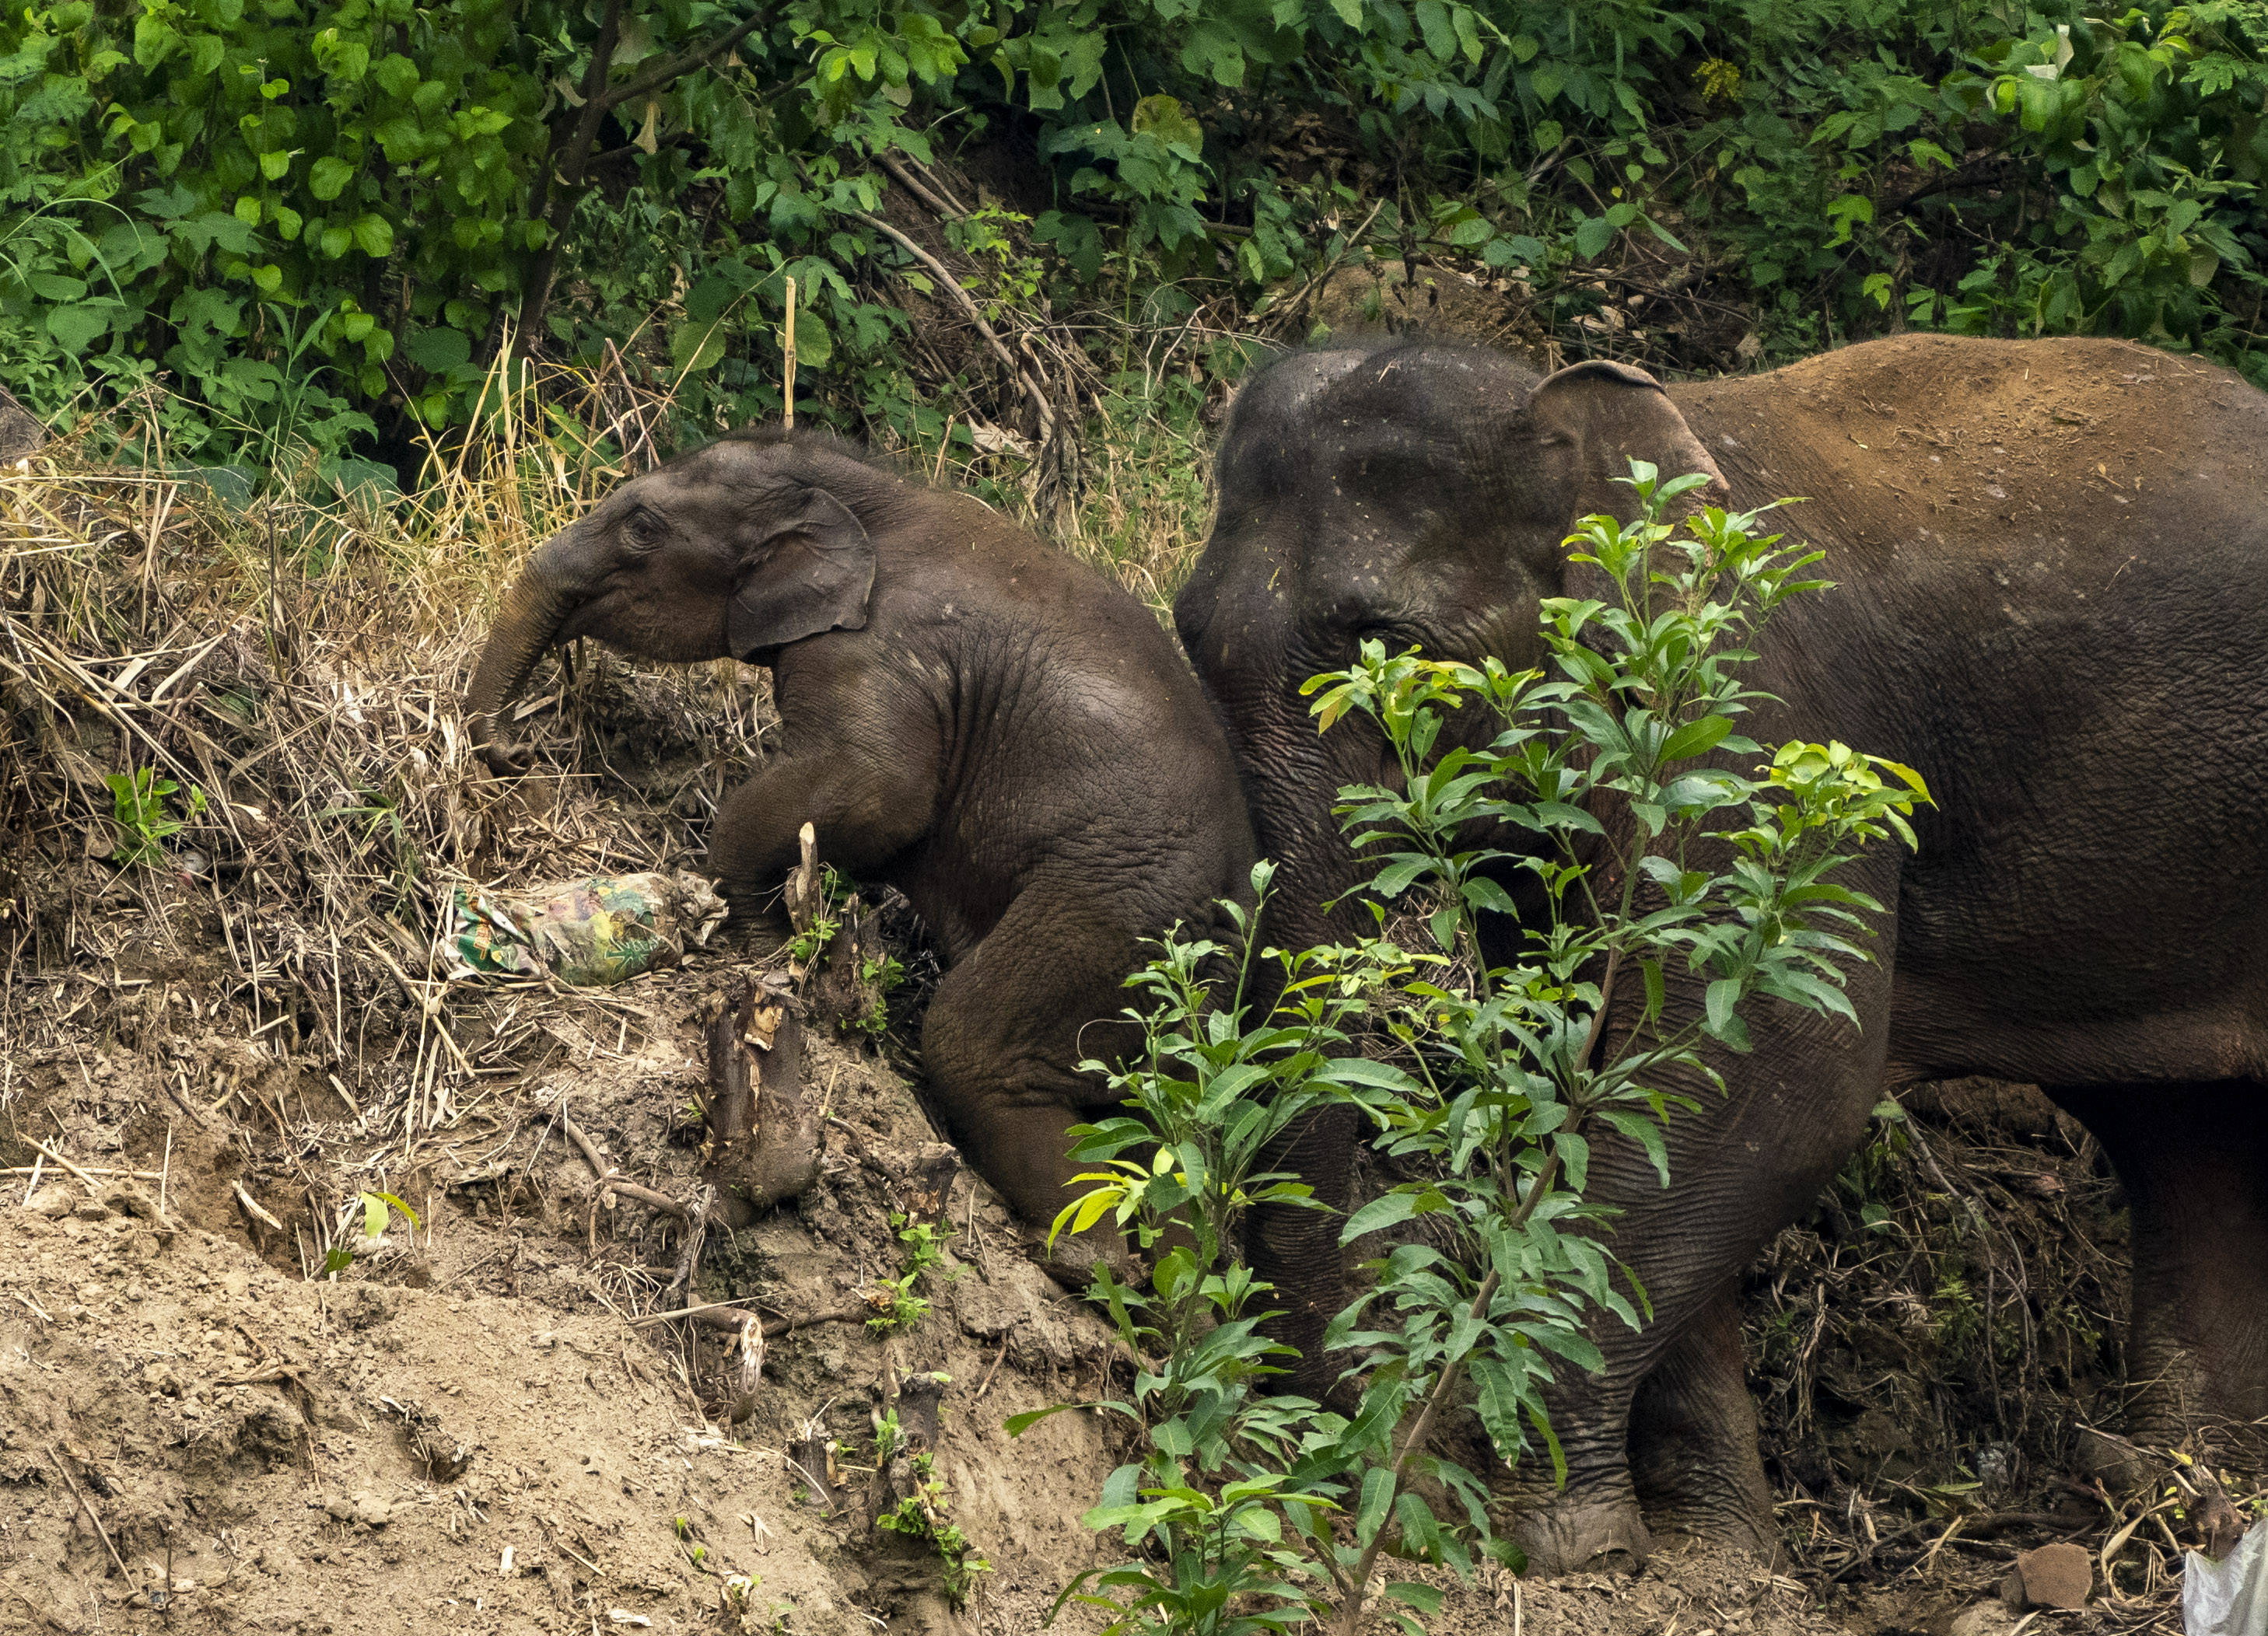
[642,531]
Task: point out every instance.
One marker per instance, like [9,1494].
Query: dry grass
[296,666]
[1932,1349]
[299,668]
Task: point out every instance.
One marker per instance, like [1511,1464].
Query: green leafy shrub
[1506,1074]
[145,821]
[319,225]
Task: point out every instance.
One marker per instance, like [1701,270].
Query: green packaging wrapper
[592,932]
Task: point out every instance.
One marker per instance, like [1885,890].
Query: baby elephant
[972,717]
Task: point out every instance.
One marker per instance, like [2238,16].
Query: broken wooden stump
[763,1140]
[841,977]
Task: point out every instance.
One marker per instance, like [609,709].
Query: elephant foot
[1570,1536]
[1693,1457]
[1749,1536]
[758,927]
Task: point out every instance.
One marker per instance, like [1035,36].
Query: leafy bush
[1646,858]
[318,220]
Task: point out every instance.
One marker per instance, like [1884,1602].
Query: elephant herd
[2052,560]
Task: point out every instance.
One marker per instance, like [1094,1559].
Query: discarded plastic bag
[592,932]
[2229,1597]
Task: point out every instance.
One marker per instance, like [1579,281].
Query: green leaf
[396,75]
[438,350]
[696,346]
[1377,1497]
[1164,117]
[1387,1210]
[328,178]
[1425,1598]
[815,345]
[1724,994]
[79,327]
[1017,1425]
[1695,737]
[374,234]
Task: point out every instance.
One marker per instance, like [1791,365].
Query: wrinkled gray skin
[968,715]
[2054,569]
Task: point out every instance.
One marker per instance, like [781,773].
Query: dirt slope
[463,1432]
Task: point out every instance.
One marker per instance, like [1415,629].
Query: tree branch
[684,63]
[568,160]
[1349,1619]
[968,304]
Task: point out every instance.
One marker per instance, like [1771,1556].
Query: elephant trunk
[525,629]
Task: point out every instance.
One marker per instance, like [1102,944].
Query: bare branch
[968,304]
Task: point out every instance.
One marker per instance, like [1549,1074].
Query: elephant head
[1414,494]
[733,551]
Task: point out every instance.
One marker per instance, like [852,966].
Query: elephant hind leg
[2194,1160]
[1005,1032]
[1693,1439]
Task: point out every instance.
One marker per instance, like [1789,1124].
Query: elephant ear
[812,572]
[1608,415]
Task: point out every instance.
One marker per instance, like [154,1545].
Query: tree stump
[764,1141]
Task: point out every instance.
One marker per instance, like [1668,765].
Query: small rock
[2056,1576]
[276,1558]
[371,1511]
[1986,1618]
[92,1210]
[53,1201]
[340,1507]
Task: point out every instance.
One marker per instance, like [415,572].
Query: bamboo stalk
[789,347]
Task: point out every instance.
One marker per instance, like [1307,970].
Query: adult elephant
[2053,563]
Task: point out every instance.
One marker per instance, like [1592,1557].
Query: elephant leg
[864,814]
[1005,1033]
[1742,1165]
[2194,1160]
[1297,1250]
[1693,1438]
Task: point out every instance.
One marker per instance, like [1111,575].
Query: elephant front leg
[1661,1445]
[1594,1519]
[864,813]
[1693,1452]
[1001,1045]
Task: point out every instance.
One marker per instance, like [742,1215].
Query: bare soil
[470,1428]
[464,1431]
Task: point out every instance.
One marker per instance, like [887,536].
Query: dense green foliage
[320,219]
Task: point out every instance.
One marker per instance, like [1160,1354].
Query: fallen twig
[252,1206]
[87,1506]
